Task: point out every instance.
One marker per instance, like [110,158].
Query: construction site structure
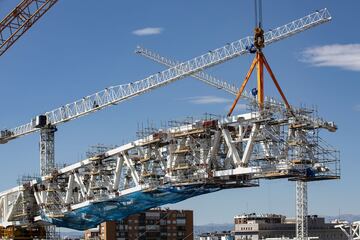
[175,164]
[23,232]
[12,27]
[46,123]
[97,149]
[50,195]
[301,210]
[351,230]
[260,63]
[301,186]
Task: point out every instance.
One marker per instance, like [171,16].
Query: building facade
[92,234]
[256,227]
[154,224]
[217,236]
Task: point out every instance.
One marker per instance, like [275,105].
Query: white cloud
[208,100]
[148,31]
[345,56]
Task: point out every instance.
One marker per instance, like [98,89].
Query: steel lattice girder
[172,165]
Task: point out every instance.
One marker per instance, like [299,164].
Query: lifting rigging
[260,61]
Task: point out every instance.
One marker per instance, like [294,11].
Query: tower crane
[47,123]
[259,61]
[21,19]
[202,76]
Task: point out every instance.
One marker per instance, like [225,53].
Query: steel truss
[352,230]
[301,210]
[20,19]
[175,164]
[47,150]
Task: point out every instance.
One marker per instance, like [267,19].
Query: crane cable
[258,13]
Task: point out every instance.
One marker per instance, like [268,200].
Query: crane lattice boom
[202,76]
[20,19]
[116,94]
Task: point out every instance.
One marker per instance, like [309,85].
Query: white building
[217,236]
[256,227]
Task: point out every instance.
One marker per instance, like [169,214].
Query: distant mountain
[71,234]
[213,227]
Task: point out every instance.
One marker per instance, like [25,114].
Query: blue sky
[80,47]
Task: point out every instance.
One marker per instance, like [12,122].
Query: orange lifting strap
[260,62]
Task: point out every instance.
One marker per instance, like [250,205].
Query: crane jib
[116,94]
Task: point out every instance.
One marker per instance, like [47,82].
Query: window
[181,221]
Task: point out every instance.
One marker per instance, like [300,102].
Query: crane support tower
[301,210]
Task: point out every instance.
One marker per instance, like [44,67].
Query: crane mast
[20,19]
[46,123]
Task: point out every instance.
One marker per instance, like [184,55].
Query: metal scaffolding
[189,158]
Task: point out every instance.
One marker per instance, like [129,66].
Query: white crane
[202,76]
[47,122]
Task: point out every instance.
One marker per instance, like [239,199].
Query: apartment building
[154,224]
